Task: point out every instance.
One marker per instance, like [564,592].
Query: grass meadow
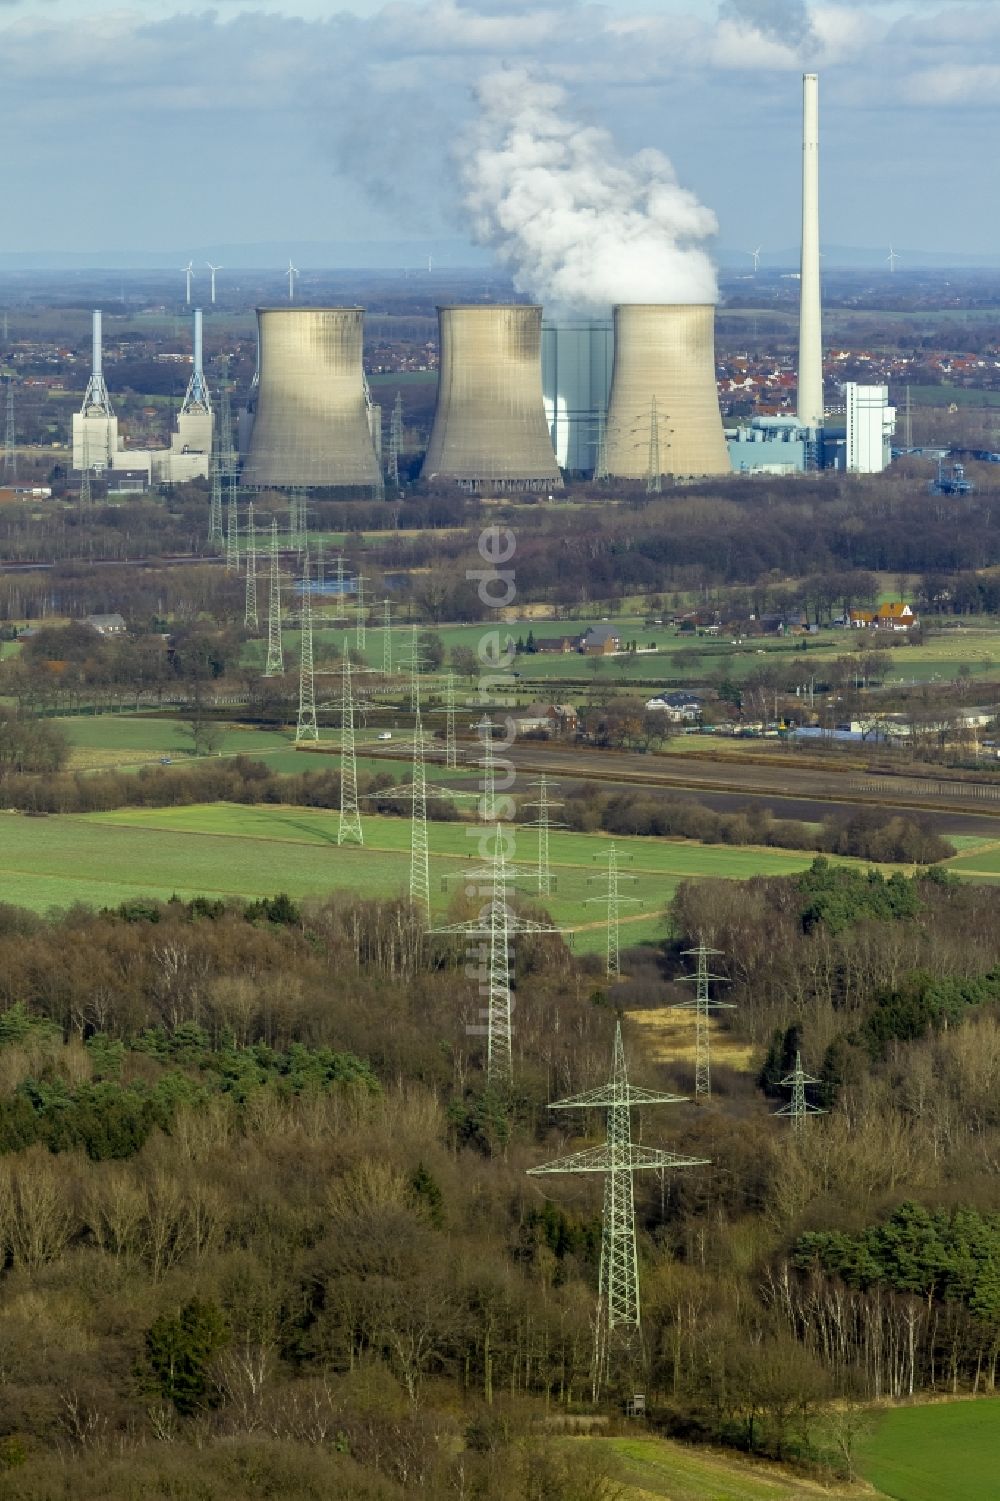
[226,850]
[947,1451]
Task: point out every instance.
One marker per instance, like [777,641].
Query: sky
[179,124]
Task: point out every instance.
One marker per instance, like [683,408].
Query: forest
[260,1214]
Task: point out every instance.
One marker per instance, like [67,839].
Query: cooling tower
[489,423]
[810,398]
[663,413]
[310,426]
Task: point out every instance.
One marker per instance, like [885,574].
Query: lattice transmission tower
[395,441]
[654,471]
[702,1005]
[9,443]
[494,927]
[250,618]
[349,830]
[232,525]
[614,900]
[227,452]
[387,637]
[306,727]
[798,1106]
[618,1327]
[450,746]
[420,875]
[215,537]
[543,823]
[274,666]
[361,624]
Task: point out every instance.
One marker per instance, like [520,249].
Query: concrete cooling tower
[489,423]
[311,422]
[664,364]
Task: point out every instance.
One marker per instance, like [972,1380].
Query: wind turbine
[756,258]
[189,274]
[293,272]
[213,270]
[892,258]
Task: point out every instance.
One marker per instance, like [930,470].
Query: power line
[306,727]
[349,830]
[275,664]
[618,1327]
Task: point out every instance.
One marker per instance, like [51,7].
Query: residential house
[107,625]
[678,706]
[601,641]
[894,615]
[564,644]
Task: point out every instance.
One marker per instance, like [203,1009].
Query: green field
[224,850]
[651,1468]
[945,1452]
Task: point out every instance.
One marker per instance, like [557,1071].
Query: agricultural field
[126,742]
[682,657]
[943,1452]
[225,850]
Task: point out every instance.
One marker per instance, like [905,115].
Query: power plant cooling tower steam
[311,425]
[489,423]
[810,399]
[664,408]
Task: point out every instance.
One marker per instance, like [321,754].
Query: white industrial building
[577,358]
[98,446]
[871,422]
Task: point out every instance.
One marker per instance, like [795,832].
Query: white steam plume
[578,224]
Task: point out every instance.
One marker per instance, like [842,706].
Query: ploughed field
[221,849]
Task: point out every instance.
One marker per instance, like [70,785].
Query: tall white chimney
[96,362]
[810,402]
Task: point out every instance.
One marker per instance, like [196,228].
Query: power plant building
[577,357]
[490,431]
[663,413]
[769,445]
[310,410]
[99,447]
[871,422]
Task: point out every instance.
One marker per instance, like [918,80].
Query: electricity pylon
[614,901]
[215,504]
[618,1328]
[420,877]
[395,441]
[9,444]
[341,608]
[601,456]
[654,473]
[702,1004]
[227,453]
[386,637]
[360,632]
[414,662]
[543,823]
[496,924]
[250,613]
[450,748]
[275,664]
[488,783]
[232,527]
[349,829]
[86,490]
[798,1106]
[297,527]
[306,727]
